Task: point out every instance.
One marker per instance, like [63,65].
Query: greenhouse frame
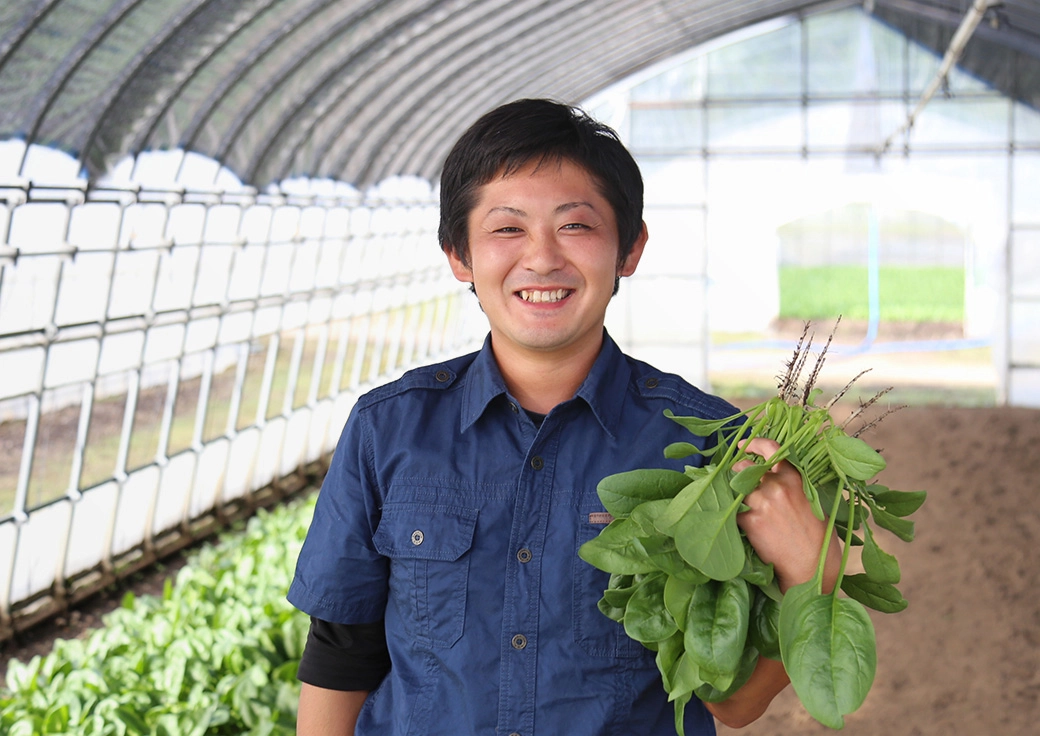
[218,218]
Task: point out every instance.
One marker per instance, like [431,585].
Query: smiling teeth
[537,297]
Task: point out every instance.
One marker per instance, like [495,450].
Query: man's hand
[781,526]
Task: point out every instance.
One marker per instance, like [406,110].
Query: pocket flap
[425,531]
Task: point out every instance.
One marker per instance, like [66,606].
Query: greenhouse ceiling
[359,91]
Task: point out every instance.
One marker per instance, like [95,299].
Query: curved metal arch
[423,148]
[245,67]
[130,80]
[357,104]
[286,76]
[271,172]
[340,74]
[30,23]
[182,72]
[620,29]
[434,137]
[427,136]
[349,102]
[64,73]
[147,135]
[356,170]
[473,66]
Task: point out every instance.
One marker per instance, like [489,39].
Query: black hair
[509,137]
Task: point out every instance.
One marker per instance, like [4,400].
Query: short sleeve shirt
[450,514]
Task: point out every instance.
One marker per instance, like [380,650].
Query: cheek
[487,277]
[494,263]
[601,268]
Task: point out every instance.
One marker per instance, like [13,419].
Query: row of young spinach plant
[216,653]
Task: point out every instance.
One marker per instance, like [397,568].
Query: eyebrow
[507,210]
[566,207]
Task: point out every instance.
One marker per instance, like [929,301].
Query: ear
[628,267]
[459,268]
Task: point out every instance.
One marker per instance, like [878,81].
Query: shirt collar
[484,382]
[604,389]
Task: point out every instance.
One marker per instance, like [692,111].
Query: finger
[787,474]
[766,449]
[741,464]
[762,497]
[780,474]
[782,480]
[762,446]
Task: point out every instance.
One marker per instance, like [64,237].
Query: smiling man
[542,254]
[441,570]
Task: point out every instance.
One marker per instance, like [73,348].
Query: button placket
[527,539]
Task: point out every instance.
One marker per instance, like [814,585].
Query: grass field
[905,294]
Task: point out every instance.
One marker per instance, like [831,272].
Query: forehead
[541,178]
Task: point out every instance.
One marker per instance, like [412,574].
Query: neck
[540,381]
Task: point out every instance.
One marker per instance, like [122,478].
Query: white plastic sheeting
[165,352]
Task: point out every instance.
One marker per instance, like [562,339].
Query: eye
[576,226]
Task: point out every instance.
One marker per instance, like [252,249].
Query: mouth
[550,296]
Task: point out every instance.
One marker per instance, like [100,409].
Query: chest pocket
[428,546]
[598,635]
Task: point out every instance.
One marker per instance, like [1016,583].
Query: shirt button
[514,407]
[442,376]
[417,537]
[650,383]
[519,641]
[524,555]
[537,463]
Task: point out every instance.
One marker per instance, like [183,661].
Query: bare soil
[964,658]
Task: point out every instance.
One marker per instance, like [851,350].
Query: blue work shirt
[450,514]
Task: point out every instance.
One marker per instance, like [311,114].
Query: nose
[543,253]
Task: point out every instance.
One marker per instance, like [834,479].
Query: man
[441,569]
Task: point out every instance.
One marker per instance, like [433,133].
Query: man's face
[543,256]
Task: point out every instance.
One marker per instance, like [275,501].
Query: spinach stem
[821,563]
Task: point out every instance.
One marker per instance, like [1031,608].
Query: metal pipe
[953,54]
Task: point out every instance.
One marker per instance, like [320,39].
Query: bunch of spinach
[216,653]
[685,582]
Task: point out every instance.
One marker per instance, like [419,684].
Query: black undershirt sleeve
[344,656]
